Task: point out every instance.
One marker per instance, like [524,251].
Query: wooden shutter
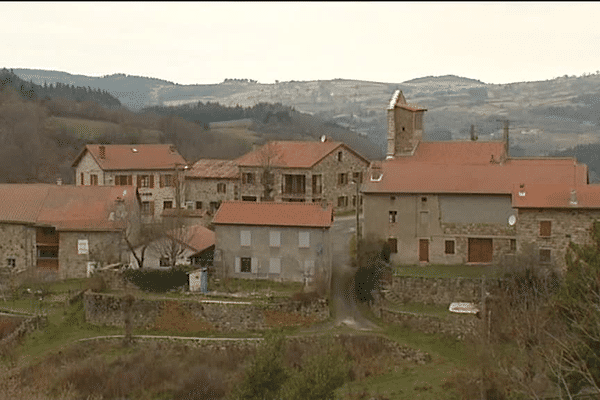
[161,181]
[151,185]
[245,238]
[545,228]
[303,239]
[254,265]
[275,266]
[238,264]
[275,238]
[130,180]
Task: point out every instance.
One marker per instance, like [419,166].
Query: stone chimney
[102,150]
[473,134]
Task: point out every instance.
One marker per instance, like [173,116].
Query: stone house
[268,240]
[302,171]
[210,182]
[551,216]
[65,230]
[155,169]
[450,202]
[188,245]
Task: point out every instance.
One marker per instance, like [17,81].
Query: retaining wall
[459,326]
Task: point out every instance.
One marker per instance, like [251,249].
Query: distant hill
[544,116]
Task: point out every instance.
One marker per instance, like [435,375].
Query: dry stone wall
[194,316]
[441,291]
[459,326]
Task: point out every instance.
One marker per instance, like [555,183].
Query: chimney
[473,135]
[573,201]
[102,152]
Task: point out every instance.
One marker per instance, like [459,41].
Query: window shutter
[151,181]
[130,180]
[545,228]
[254,265]
[151,207]
[275,238]
[237,265]
[275,266]
[161,181]
[245,238]
[303,239]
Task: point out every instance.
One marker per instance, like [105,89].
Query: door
[480,250]
[424,250]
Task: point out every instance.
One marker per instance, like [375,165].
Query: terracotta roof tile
[455,152]
[134,157]
[199,237]
[212,168]
[22,202]
[291,154]
[555,196]
[86,208]
[274,214]
[425,177]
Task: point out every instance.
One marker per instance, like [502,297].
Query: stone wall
[194,316]
[17,242]
[459,326]
[204,190]
[566,226]
[441,291]
[16,326]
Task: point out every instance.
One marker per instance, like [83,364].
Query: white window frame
[245,238]
[275,238]
[275,265]
[304,239]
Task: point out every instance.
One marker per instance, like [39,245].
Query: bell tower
[405,126]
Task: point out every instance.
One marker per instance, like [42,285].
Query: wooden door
[480,250]
[424,250]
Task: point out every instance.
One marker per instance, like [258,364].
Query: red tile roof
[555,196]
[455,152]
[292,154]
[65,207]
[425,177]
[84,208]
[197,237]
[134,156]
[274,214]
[212,168]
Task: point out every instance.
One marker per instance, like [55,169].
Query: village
[284,222]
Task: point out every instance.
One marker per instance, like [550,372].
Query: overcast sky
[191,43]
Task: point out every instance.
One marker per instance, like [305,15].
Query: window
[214,206]
[81,179]
[275,265]
[357,177]
[123,180]
[11,262]
[148,207]
[423,199]
[248,178]
[164,262]
[245,238]
[304,239]
[449,247]
[342,201]
[166,180]
[513,245]
[168,204]
[545,256]
[393,215]
[424,218]
[268,178]
[393,245]
[248,198]
[274,238]
[145,181]
[354,201]
[339,156]
[94,180]
[47,252]
[198,205]
[545,228]
[246,264]
[342,179]
[317,185]
[221,188]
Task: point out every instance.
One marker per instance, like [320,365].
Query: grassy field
[447,271]
[91,129]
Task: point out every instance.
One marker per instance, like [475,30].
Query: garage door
[480,250]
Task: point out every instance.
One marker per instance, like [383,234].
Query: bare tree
[266,157]
[171,239]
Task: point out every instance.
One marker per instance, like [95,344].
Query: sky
[200,43]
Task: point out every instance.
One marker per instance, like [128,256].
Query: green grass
[254,285]
[447,271]
[418,308]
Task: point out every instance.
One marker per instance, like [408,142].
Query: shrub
[154,280]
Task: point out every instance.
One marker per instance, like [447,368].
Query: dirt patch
[174,317]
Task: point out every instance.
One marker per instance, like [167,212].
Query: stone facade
[438,219]
[17,246]
[566,225]
[341,192]
[440,291]
[294,263]
[203,193]
[220,316]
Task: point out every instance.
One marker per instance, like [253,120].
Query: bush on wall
[155,280]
